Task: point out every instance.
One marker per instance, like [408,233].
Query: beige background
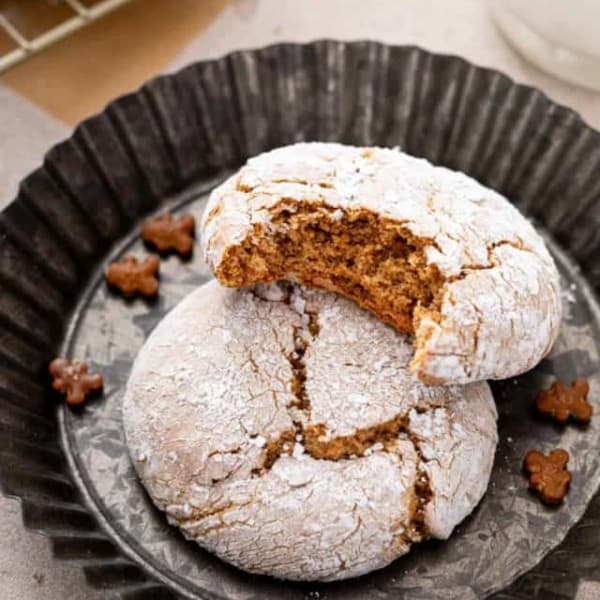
[40,102]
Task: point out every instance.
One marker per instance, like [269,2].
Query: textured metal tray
[169,143]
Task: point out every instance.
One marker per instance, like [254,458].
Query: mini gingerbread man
[169,233]
[548,474]
[561,402]
[131,277]
[72,378]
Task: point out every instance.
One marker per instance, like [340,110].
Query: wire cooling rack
[78,15]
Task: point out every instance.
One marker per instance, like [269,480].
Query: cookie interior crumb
[371,259]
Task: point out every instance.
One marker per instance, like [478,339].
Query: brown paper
[78,76]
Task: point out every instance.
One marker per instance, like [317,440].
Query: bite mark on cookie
[396,235]
[373,260]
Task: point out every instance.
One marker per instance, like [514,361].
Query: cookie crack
[285,443]
[356,444]
[313,439]
[298,366]
[433,313]
[422,493]
[359,443]
[274,449]
[193,514]
[491,260]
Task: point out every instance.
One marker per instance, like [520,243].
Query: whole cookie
[281,429]
[428,250]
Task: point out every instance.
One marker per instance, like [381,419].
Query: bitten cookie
[280,428]
[428,250]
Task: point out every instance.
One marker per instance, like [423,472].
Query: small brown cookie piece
[167,232]
[562,402]
[548,475]
[73,379]
[132,277]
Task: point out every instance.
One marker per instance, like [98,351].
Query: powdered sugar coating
[212,389]
[501,306]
